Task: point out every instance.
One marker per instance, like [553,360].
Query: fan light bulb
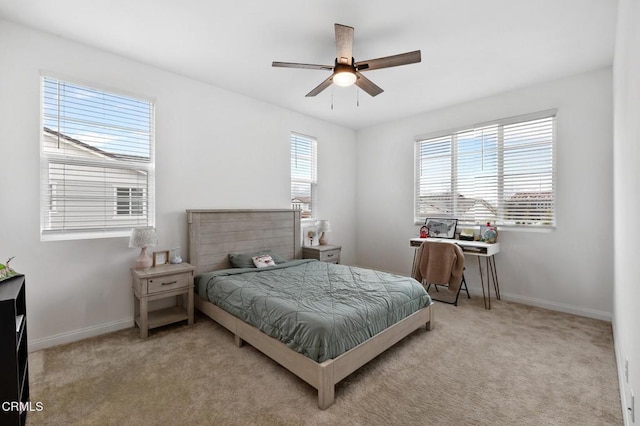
[344,78]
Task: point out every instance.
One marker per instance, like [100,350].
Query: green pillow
[244,260]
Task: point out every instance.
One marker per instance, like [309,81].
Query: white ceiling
[470,48]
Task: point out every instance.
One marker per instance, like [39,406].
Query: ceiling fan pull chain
[332,99]
[357,97]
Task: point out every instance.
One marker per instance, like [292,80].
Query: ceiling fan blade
[389,61]
[306,66]
[367,85]
[320,87]
[344,44]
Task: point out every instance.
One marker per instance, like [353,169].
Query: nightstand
[158,283]
[326,253]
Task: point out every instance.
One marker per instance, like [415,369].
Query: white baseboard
[75,335]
[556,306]
[540,303]
[621,378]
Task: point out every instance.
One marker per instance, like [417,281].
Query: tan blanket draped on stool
[440,263]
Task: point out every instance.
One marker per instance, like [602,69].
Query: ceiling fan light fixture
[344,75]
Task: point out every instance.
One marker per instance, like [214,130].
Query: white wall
[215,149]
[626,82]
[569,269]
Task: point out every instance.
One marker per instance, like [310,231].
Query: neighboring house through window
[303,174]
[500,172]
[97,162]
[130,201]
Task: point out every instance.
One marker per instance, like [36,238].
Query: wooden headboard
[213,234]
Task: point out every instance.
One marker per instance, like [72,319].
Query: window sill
[83,235]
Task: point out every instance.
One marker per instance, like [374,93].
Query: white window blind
[97,161]
[500,172]
[303,174]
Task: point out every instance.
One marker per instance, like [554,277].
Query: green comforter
[318,309]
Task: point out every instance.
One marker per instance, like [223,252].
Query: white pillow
[263,261]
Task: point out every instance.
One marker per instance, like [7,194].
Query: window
[500,172]
[97,162]
[303,174]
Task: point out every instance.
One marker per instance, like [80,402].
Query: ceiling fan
[346,71]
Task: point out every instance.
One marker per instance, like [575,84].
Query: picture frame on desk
[488,234]
[441,227]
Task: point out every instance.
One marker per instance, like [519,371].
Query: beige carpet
[512,365]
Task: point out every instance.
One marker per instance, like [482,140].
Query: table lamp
[323,227]
[143,238]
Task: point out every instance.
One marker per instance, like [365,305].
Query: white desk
[473,248]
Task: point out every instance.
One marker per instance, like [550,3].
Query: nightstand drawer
[331,256]
[323,253]
[168,282]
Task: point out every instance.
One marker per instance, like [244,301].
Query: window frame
[500,151]
[49,205]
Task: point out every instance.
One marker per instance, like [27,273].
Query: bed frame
[213,234]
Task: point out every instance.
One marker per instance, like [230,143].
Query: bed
[321,361]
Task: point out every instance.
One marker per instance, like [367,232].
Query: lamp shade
[143,237]
[324,226]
